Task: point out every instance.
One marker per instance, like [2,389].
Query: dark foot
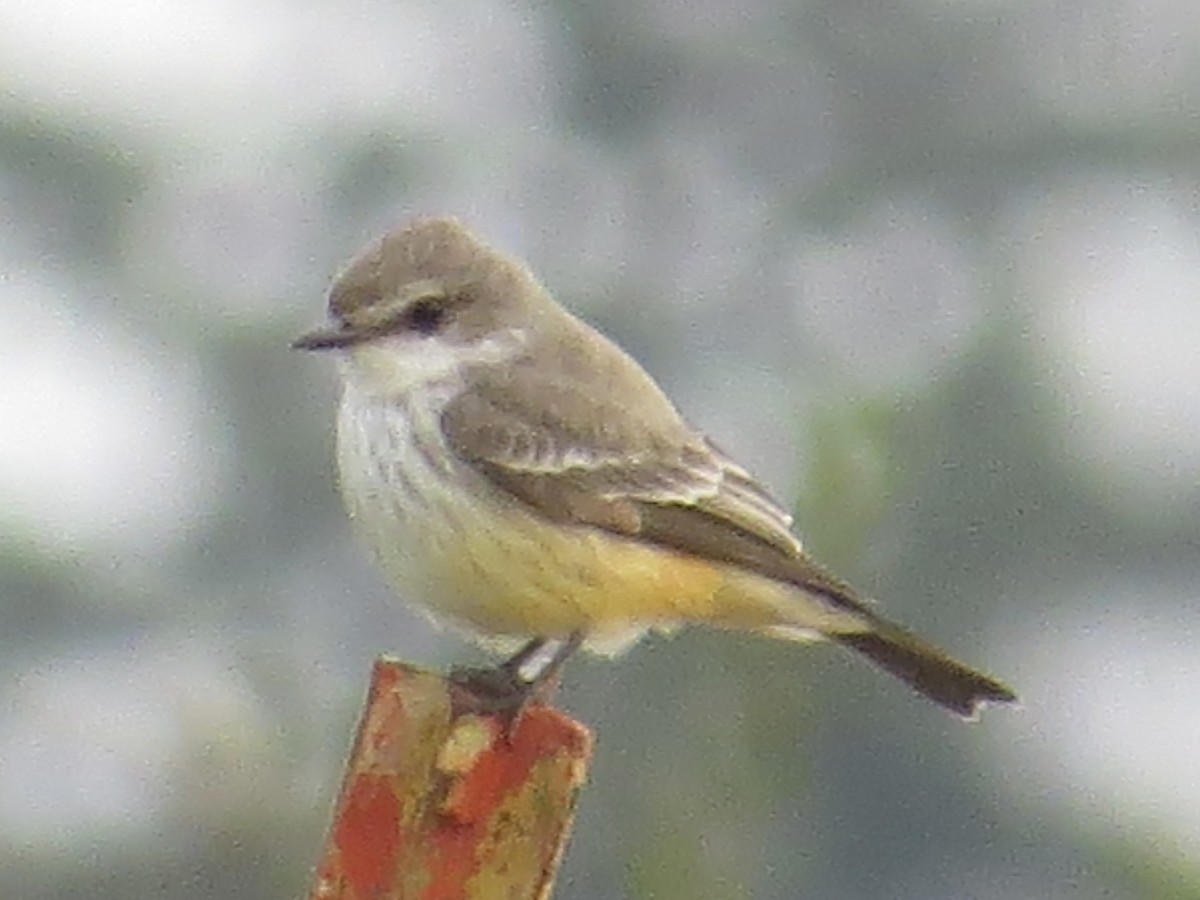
[492,690]
[505,690]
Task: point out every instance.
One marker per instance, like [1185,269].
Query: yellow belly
[464,551]
[521,576]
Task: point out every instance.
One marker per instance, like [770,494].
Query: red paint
[375,854]
[501,769]
[505,766]
[388,719]
[452,861]
[385,675]
[368,836]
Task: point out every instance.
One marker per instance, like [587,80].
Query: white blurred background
[931,268]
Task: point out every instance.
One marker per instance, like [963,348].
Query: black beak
[332,338]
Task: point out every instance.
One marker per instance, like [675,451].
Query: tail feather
[927,670]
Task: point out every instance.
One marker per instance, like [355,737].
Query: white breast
[397,480]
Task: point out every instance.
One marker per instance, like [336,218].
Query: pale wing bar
[690,498]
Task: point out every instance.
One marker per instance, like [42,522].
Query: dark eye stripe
[426,316]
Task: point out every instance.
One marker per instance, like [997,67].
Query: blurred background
[931,268]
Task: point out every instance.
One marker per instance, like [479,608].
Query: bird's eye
[426,316]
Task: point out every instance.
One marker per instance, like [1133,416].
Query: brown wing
[604,448]
[586,458]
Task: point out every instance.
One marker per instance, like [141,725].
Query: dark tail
[927,670]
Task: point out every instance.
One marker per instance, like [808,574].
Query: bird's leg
[506,689]
[496,683]
[546,678]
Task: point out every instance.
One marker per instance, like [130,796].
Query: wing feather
[570,461]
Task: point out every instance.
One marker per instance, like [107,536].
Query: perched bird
[515,472]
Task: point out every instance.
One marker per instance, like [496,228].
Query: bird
[517,474]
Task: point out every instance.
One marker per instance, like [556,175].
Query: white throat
[396,365]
